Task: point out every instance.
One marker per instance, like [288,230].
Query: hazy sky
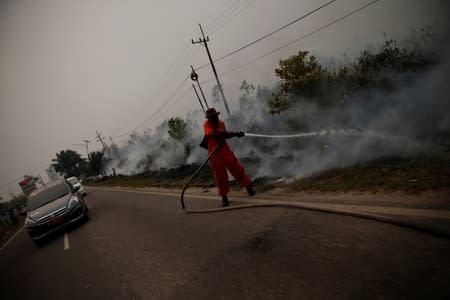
[69,68]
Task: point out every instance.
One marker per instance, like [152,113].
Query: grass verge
[411,175]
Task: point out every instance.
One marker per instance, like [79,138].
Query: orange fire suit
[224,158]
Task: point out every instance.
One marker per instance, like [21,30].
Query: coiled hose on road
[363,215]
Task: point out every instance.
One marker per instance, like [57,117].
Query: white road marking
[11,238]
[66,242]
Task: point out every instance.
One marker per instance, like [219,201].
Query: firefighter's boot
[225,201]
[250,191]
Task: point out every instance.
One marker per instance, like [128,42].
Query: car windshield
[48,195]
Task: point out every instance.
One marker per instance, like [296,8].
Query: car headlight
[73,201]
[29,221]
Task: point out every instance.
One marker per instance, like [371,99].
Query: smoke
[411,117]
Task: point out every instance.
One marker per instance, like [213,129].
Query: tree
[300,76]
[16,202]
[177,128]
[69,163]
[96,163]
[246,87]
[245,100]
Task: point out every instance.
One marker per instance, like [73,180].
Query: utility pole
[194,77]
[198,97]
[87,148]
[114,147]
[204,41]
[100,139]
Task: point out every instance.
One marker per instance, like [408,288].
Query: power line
[260,57]
[228,18]
[269,34]
[170,74]
[216,19]
[184,59]
[224,73]
[188,55]
[180,62]
[167,102]
[204,41]
[296,40]
[185,56]
[267,54]
[234,7]
[176,100]
[154,115]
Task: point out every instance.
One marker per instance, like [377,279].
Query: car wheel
[38,243]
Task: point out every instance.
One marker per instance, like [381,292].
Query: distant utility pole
[205,41]
[114,147]
[100,139]
[87,148]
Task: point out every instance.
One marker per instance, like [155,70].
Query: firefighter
[224,158]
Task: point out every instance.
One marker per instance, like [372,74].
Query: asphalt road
[142,246]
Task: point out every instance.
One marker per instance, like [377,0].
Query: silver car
[52,208]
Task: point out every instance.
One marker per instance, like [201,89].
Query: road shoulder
[421,211]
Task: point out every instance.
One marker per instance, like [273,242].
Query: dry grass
[411,175]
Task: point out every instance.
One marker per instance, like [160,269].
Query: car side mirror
[76,187]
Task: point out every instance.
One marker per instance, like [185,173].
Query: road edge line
[66,242]
[11,238]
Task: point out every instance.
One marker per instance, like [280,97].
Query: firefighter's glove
[240,134]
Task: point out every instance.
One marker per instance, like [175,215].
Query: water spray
[328,132]
[323,132]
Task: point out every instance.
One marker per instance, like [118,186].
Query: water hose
[363,215]
[186,185]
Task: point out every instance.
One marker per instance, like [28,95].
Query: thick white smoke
[410,119]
